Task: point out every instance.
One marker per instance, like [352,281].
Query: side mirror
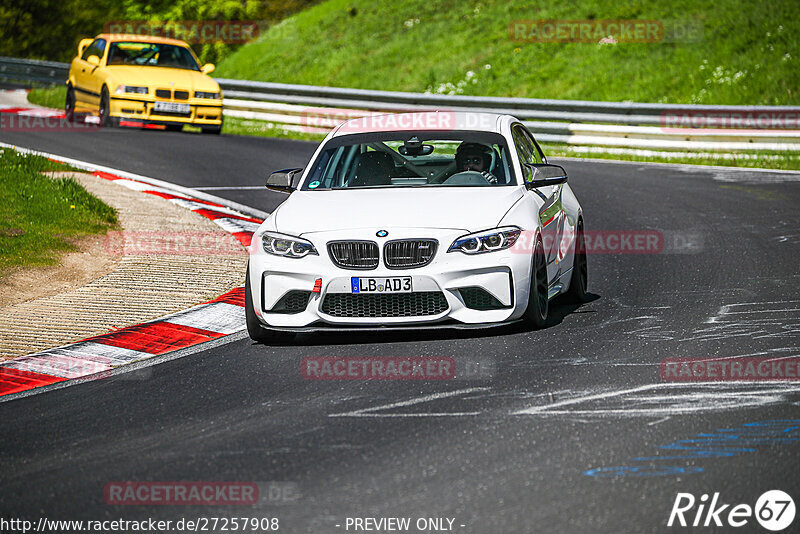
[543,174]
[93,60]
[283,181]
[208,68]
[82,46]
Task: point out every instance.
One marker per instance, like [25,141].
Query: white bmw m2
[436,219]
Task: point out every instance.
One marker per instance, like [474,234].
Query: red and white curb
[101,354]
[33,112]
[239,225]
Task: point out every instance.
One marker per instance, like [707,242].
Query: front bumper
[504,275]
[202,112]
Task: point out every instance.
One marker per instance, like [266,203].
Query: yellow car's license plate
[171,107]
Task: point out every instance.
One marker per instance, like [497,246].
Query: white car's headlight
[121,89]
[286,245]
[486,241]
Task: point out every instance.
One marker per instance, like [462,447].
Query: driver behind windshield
[477,158]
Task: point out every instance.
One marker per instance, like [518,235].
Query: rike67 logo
[774,511]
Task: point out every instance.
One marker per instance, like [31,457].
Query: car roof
[115,37]
[425,121]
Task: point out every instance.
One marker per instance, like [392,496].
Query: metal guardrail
[576,122]
[27,72]
[522,108]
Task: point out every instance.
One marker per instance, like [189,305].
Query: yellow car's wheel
[69,105]
[106,120]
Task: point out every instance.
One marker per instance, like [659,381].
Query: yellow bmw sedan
[138,80]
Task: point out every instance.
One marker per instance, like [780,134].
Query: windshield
[412,159]
[151,55]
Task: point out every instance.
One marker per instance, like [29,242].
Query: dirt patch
[75,269]
[11,232]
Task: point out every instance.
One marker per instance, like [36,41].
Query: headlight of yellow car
[206,94]
[121,89]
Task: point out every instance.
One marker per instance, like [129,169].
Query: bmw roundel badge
[382,233]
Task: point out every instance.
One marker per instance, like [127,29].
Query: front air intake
[477,298]
[418,304]
[291,302]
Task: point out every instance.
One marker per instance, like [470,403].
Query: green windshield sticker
[313,185]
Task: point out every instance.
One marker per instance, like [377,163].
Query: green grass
[41,217]
[748,53]
[49,97]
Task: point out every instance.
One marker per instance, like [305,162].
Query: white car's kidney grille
[409,253]
[354,254]
[377,305]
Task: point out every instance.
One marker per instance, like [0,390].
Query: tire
[106,120]
[69,105]
[213,130]
[580,272]
[257,332]
[535,315]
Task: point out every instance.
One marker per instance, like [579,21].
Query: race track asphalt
[521,446]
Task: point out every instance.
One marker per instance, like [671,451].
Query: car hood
[463,208]
[163,77]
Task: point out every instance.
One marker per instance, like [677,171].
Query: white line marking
[230,188]
[367,412]
[431,414]
[763,311]
[576,400]
[653,423]
[711,396]
[767,302]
